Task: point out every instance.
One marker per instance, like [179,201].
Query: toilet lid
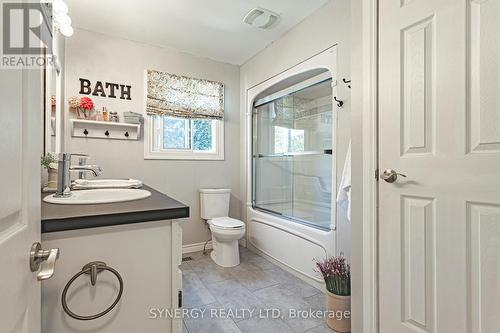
[227,223]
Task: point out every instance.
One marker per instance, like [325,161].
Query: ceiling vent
[261,18]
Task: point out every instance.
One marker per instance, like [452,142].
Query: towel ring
[92,269]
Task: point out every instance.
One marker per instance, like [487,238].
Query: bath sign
[106,89]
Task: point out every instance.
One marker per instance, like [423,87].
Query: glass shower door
[292,155]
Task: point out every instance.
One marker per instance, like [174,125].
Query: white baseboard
[196,247]
[189,248]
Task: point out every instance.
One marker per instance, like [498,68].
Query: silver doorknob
[48,257]
[390,175]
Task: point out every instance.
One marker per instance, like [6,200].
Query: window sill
[184,156]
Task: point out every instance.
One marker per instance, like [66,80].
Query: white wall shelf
[81,128]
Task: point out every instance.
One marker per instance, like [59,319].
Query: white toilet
[226,231]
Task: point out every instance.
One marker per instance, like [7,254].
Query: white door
[439,124]
[20,136]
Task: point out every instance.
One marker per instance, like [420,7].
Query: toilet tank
[214,203]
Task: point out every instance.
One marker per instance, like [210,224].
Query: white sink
[110,195]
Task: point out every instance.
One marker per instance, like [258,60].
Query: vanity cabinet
[141,240]
[146,255]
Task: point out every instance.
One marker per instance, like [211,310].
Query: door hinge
[376,175]
[180,298]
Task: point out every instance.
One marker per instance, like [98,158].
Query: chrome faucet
[95,169]
[63,173]
[82,161]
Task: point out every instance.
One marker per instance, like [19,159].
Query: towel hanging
[344,192]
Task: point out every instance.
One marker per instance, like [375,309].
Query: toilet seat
[227,223]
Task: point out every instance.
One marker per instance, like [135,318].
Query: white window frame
[183,154]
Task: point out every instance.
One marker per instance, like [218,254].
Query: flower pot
[52,179]
[85,114]
[338,315]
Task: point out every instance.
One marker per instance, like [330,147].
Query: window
[288,140]
[181,138]
[185,118]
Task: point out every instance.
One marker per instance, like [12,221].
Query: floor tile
[211,324]
[290,281]
[253,277]
[232,295]
[263,325]
[289,304]
[198,259]
[244,292]
[317,302]
[195,293]
[210,272]
[323,328]
[257,260]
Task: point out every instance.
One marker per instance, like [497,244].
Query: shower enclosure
[292,153]
[294,150]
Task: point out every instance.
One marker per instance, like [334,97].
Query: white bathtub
[289,244]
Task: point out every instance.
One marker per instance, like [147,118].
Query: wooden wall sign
[107,89]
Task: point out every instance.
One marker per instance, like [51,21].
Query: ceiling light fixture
[261,18]
[62,21]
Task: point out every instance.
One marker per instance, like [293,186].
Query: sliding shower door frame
[288,91]
[302,85]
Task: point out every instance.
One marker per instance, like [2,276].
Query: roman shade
[184,97]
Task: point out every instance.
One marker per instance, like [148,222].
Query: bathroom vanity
[140,240]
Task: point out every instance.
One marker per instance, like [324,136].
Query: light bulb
[67,31]
[62,20]
[59,7]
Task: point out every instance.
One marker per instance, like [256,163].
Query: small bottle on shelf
[113,116]
[98,115]
[105,114]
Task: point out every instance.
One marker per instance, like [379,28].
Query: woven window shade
[184,97]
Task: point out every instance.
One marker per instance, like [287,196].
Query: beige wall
[100,57]
[328,26]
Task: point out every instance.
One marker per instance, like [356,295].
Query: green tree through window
[202,134]
[177,134]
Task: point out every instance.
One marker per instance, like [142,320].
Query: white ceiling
[208,28]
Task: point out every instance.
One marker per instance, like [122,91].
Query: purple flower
[337,274]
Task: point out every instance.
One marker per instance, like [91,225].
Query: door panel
[439,119]
[418,254]
[483,112]
[20,135]
[483,247]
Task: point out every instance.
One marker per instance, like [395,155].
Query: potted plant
[337,274]
[49,162]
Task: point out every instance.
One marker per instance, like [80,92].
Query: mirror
[54,98]
[50,74]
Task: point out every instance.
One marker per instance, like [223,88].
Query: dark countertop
[71,217]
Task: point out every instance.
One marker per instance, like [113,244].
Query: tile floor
[240,297]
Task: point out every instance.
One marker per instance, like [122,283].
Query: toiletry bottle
[105,114]
[98,115]
[113,116]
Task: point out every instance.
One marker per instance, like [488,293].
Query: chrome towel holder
[92,268]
